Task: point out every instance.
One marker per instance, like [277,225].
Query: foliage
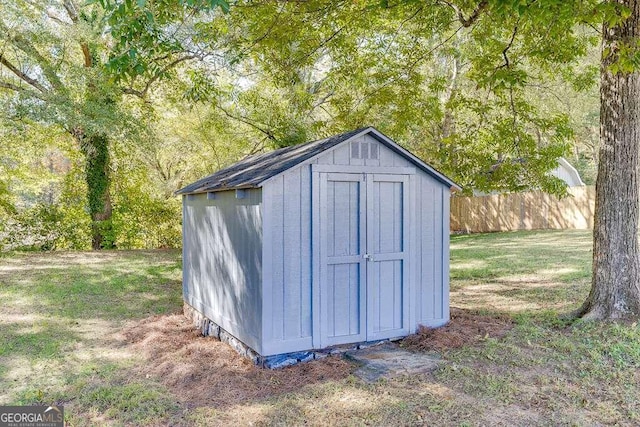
[171,91]
[140,218]
[6,204]
[143,31]
[468,99]
[97,157]
[63,65]
[52,208]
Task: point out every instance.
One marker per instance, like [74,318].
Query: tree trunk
[615,288]
[97,175]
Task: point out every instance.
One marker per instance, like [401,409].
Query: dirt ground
[203,371]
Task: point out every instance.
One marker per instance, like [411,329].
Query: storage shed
[341,240]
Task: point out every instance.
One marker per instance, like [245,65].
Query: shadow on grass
[111,285]
[62,313]
[35,343]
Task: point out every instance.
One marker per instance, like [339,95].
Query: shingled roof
[254,170]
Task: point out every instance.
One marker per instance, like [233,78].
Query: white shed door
[387,254]
[363,257]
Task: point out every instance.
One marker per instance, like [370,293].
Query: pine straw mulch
[201,371]
[465,328]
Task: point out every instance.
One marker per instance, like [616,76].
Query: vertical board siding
[187,227]
[289,281]
[414,257]
[223,271]
[430,287]
[437,252]
[426,279]
[306,256]
[267,266]
[316,256]
[446,200]
[292,280]
[342,155]
[277,257]
[386,156]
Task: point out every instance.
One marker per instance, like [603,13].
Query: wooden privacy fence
[523,211]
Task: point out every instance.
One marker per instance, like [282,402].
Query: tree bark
[615,288]
[98,177]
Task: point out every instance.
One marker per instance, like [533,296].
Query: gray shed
[336,241]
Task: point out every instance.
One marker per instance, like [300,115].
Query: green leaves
[144,31]
[6,202]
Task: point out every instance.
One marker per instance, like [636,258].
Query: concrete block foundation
[209,328]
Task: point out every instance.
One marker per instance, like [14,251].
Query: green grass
[521,273]
[61,312]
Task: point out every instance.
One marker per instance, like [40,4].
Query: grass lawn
[100,333]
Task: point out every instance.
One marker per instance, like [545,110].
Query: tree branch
[508,46]
[56,18]
[72,11]
[20,89]
[22,76]
[132,91]
[322,44]
[143,92]
[467,22]
[246,121]
[25,45]
[86,53]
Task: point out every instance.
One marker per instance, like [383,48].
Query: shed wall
[287,262]
[288,258]
[222,255]
[432,254]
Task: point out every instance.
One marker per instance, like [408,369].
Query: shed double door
[363,257]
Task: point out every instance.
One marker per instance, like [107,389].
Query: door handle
[368,257]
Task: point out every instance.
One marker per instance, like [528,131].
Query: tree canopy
[138,97]
[170,91]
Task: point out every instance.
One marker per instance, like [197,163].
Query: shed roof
[252,171]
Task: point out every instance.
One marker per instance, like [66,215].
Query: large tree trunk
[96,151]
[615,288]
